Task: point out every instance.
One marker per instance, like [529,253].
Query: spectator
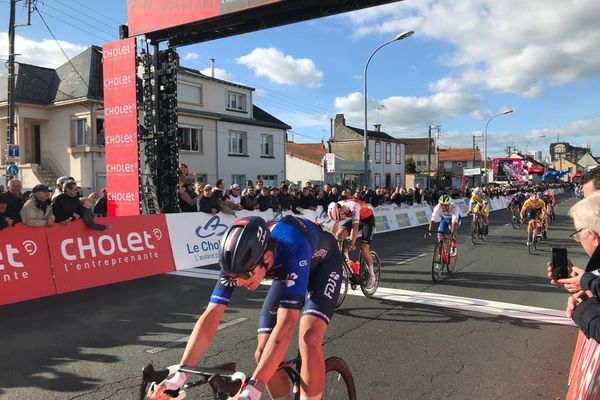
[198,189]
[15,200]
[274,199]
[5,221]
[258,187]
[60,182]
[306,201]
[187,200]
[418,194]
[583,305]
[222,200]
[378,198]
[100,204]
[334,196]
[590,181]
[37,211]
[184,174]
[295,201]
[249,200]
[207,203]
[68,207]
[398,196]
[235,199]
[285,198]
[264,199]
[100,138]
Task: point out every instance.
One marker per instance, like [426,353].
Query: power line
[112,26]
[68,23]
[75,18]
[98,12]
[60,47]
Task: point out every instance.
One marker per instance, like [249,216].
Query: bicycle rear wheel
[474,231]
[339,382]
[436,264]
[344,286]
[365,274]
[530,238]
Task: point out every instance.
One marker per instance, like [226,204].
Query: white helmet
[334,211]
[477,190]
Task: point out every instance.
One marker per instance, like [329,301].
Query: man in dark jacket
[207,202]
[69,207]
[15,200]
[5,220]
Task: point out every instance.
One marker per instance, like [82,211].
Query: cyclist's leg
[486,214]
[279,385]
[316,315]
[368,226]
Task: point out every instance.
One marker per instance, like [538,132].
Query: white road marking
[545,315]
[185,339]
[411,259]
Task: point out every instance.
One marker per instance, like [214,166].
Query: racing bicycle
[442,257]
[478,228]
[354,280]
[515,219]
[534,233]
[225,383]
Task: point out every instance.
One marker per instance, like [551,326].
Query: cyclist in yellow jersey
[479,202]
[534,208]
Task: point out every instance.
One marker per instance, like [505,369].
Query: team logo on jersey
[332,282]
[334,275]
[321,253]
[291,279]
[228,280]
[303,263]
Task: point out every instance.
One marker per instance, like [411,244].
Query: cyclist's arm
[354,234]
[277,344]
[203,333]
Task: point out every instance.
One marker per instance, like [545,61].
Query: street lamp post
[401,36]
[485,175]
[531,140]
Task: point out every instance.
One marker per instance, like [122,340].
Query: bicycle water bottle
[355,267]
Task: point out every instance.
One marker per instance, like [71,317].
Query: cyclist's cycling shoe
[544,235]
[371,282]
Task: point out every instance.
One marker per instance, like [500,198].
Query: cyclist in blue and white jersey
[301,258]
[449,216]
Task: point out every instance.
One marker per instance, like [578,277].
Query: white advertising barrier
[195,237]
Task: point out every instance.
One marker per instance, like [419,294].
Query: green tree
[410,166]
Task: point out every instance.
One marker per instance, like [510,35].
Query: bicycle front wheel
[474,231]
[530,238]
[344,286]
[376,270]
[339,382]
[437,264]
[452,263]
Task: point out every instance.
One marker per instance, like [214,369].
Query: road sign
[13,151]
[330,160]
[12,170]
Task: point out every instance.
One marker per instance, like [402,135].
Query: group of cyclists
[302,257]
[535,209]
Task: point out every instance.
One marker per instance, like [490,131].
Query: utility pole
[429,157]
[10,127]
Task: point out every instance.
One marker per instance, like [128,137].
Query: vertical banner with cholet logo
[120,126]
[25,271]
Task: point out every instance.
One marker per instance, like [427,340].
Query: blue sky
[467,61]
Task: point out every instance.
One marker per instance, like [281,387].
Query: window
[187,93]
[388,153]
[201,178]
[81,131]
[459,163]
[398,154]
[100,137]
[268,180]
[190,139]
[377,179]
[266,145]
[378,152]
[236,101]
[237,142]
[398,180]
[239,179]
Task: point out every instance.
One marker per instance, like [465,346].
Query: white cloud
[510,46]
[282,69]
[44,53]
[220,73]
[191,57]
[406,114]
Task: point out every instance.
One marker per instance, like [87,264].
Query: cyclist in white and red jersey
[360,217]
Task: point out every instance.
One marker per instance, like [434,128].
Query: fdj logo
[211,228]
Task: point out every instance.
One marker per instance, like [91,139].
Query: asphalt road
[493,330]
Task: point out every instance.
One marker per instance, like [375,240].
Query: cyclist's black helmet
[243,245]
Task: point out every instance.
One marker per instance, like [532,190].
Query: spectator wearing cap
[249,200]
[207,203]
[221,198]
[68,207]
[235,198]
[60,183]
[15,200]
[37,211]
[5,221]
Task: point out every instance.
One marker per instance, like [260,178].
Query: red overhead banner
[120,127]
[25,271]
[146,16]
[131,248]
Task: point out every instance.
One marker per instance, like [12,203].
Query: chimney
[377,127]
[340,120]
[212,67]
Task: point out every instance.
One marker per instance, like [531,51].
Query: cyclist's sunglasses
[252,271]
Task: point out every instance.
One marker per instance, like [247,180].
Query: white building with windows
[60,126]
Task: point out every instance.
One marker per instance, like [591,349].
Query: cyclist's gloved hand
[427,235]
[252,391]
[176,381]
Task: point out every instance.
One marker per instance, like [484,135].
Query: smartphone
[560,268]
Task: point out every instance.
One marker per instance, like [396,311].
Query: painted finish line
[546,315]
